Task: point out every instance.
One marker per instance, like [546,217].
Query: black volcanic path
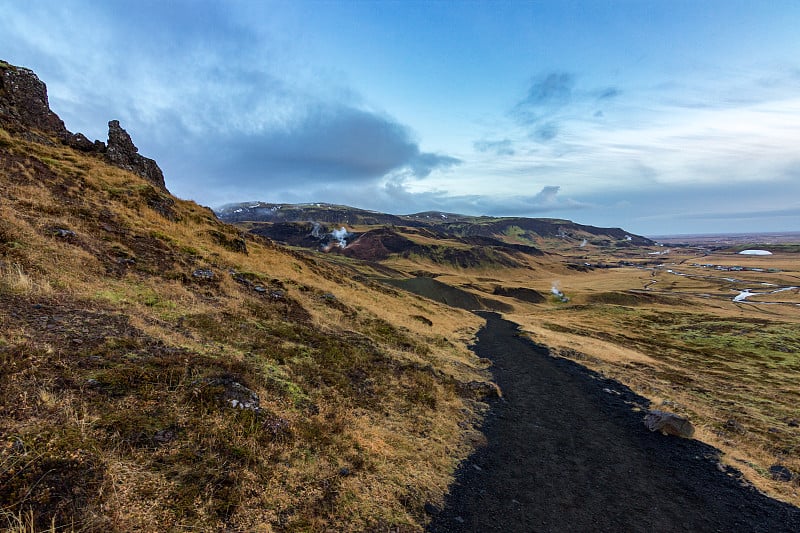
[566,455]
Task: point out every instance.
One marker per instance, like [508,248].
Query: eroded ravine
[567,451]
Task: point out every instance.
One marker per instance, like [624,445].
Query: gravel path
[567,452]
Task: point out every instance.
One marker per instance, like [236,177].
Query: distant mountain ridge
[512,230]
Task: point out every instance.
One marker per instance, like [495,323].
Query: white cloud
[226,99]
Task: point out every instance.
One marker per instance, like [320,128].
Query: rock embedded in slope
[479,390]
[203,274]
[780,473]
[669,424]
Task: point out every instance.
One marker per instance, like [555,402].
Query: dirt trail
[566,452]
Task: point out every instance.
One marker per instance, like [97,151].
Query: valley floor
[567,451]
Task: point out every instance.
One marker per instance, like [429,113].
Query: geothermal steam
[556,290]
[341,235]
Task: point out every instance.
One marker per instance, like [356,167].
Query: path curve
[566,452]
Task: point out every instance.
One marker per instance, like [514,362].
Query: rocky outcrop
[121,152]
[80,142]
[25,111]
[24,104]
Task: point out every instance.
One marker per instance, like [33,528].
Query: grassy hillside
[160,370]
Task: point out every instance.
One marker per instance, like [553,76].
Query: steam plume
[555,289]
[340,235]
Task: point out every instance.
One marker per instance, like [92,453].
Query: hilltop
[431,240]
[512,230]
[161,369]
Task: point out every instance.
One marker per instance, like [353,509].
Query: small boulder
[425,320]
[780,473]
[479,390]
[203,273]
[235,394]
[63,233]
[79,141]
[669,424]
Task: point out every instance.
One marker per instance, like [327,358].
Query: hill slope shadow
[567,452]
[454,297]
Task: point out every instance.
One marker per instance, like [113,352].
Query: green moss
[142,295]
[190,250]
[162,236]
[277,379]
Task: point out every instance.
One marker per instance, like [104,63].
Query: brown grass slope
[160,371]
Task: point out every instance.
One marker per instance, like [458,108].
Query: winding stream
[744,294]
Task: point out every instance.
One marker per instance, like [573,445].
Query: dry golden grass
[108,338]
[24,523]
[13,279]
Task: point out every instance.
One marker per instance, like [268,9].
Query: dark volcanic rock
[780,473]
[24,104]
[203,274]
[24,107]
[520,293]
[121,152]
[80,142]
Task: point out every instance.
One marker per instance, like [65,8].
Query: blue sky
[661,117]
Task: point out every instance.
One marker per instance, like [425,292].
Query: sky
[661,117]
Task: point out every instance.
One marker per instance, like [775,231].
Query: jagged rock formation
[24,104]
[25,110]
[123,153]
